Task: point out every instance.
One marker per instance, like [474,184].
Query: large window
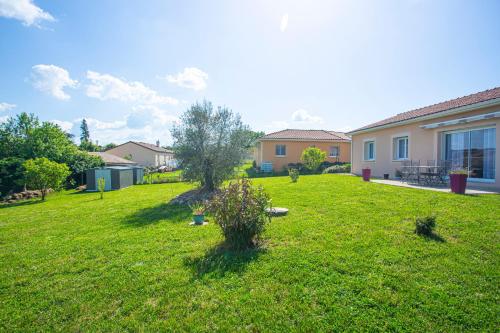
[472,150]
[280,150]
[334,151]
[369,151]
[400,148]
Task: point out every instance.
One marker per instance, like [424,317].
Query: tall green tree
[209,143]
[84,131]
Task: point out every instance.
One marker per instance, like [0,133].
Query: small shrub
[254,164]
[425,225]
[101,185]
[197,208]
[240,211]
[312,158]
[294,174]
[339,168]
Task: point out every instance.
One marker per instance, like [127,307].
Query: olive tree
[209,143]
[42,174]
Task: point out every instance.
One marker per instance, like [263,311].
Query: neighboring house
[284,147]
[462,131]
[113,160]
[144,154]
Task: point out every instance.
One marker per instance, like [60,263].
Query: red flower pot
[366,174]
[458,183]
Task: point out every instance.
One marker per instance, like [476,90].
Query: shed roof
[110,159]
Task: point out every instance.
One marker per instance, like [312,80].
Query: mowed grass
[345,258]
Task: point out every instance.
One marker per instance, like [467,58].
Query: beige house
[284,147]
[462,131]
[144,154]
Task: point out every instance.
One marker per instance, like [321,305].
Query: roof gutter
[461,109]
[305,140]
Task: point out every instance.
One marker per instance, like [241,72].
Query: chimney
[157,143]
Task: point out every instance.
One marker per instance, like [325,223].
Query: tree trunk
[44,192]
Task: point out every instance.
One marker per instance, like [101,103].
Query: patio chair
[405,171]
[444,167]
[414,171]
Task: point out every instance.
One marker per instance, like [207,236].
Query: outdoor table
[429,174]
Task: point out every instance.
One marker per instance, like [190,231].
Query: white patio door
[473,150]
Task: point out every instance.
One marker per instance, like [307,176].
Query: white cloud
[108,87]
[66,126]
[52,79]
[303,116]
[25,11]
[284,22]
[4,119]
[145,115]
[191,77]
[300,119]
[146,123]
[6,107]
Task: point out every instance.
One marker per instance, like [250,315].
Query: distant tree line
[24,137]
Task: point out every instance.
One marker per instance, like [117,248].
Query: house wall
[141,155]
[265,151]
[423,144]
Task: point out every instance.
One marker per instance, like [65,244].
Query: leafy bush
[340,168]
[240,211]
[42,174]
[312,158]
[425,225]
[294,174]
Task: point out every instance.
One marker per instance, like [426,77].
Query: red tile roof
[297,134]
[436,108]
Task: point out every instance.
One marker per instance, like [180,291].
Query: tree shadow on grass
[20,203]
[219,260]
[164,211]
[434,237]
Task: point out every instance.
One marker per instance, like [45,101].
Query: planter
[366,174]
[458,183]
[199,218]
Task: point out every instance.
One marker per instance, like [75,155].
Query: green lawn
[345,258]
[164,177]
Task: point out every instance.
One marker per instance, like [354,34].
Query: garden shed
[138,175]
[116,177]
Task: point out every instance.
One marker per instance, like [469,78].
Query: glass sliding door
[472,150]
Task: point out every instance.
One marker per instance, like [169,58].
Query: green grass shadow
[219,260]
[163,212]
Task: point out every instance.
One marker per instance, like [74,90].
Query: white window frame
[276,147]
[330,151]
[395,147]
[365,142]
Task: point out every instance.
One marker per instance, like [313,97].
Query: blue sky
[132,67]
